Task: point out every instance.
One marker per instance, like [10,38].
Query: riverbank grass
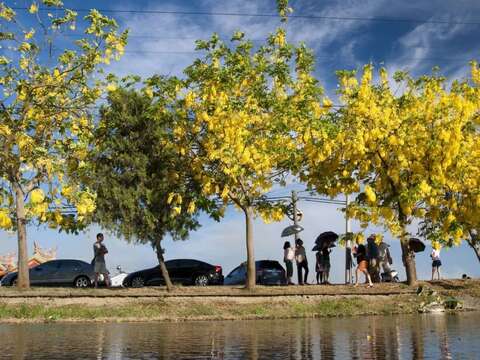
[207,309]
[232,303]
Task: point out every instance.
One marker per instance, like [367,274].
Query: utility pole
[348,247]
[294,208]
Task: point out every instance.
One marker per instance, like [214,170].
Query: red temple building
[8,262]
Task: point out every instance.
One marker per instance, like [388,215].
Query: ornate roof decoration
[8,262]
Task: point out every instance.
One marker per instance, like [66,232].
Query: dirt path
[470,286]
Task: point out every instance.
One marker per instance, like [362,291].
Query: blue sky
[164,44]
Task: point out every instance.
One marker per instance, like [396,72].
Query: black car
[75,273]
[181,271]
[269,272]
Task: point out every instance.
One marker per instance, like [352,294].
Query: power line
[323,57]
[160,52]
[331,57]
[265,15]
[226,39]
[324,201]
[153,37]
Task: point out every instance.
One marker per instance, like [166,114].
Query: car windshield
[268,264]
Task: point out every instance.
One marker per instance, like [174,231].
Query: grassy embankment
[221,303]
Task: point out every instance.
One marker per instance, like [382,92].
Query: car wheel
[396,279]
[201,280]
[138,282]
[14,282]
[82,282]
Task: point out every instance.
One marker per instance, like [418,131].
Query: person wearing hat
[302,263]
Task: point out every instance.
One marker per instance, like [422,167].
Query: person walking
[302,263]
[360,252]
[100,268]
[436,262]
[372,257]
[288,257]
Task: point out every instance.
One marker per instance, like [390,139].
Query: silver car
[68,272]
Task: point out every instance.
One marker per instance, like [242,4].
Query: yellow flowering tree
[45,122]
[396,151]
[456,214]
[239,120]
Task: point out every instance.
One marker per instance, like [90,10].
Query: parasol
[416,245]
[291,230]
[320,247]
[326,239]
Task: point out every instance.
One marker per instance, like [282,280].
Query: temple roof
[8,263]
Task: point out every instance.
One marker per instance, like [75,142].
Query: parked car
[182,271]
[269,272]
[75,273]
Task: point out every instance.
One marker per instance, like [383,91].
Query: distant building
[8,262]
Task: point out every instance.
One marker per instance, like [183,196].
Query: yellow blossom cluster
[239,131]
[408,155]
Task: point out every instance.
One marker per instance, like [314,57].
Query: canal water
[435,336]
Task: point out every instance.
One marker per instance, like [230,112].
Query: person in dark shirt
[372,257]
[100,268]
[302,263]
[323,266]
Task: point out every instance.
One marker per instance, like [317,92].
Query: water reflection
[404,337]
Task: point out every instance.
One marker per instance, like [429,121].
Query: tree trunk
[408,258]
[474,244]
[23,280]
[251,271]
[163,268]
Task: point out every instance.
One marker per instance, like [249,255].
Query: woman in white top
[288,257]
[436,263]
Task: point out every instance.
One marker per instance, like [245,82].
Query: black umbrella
[321,247]
[326,239]
[416,245]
